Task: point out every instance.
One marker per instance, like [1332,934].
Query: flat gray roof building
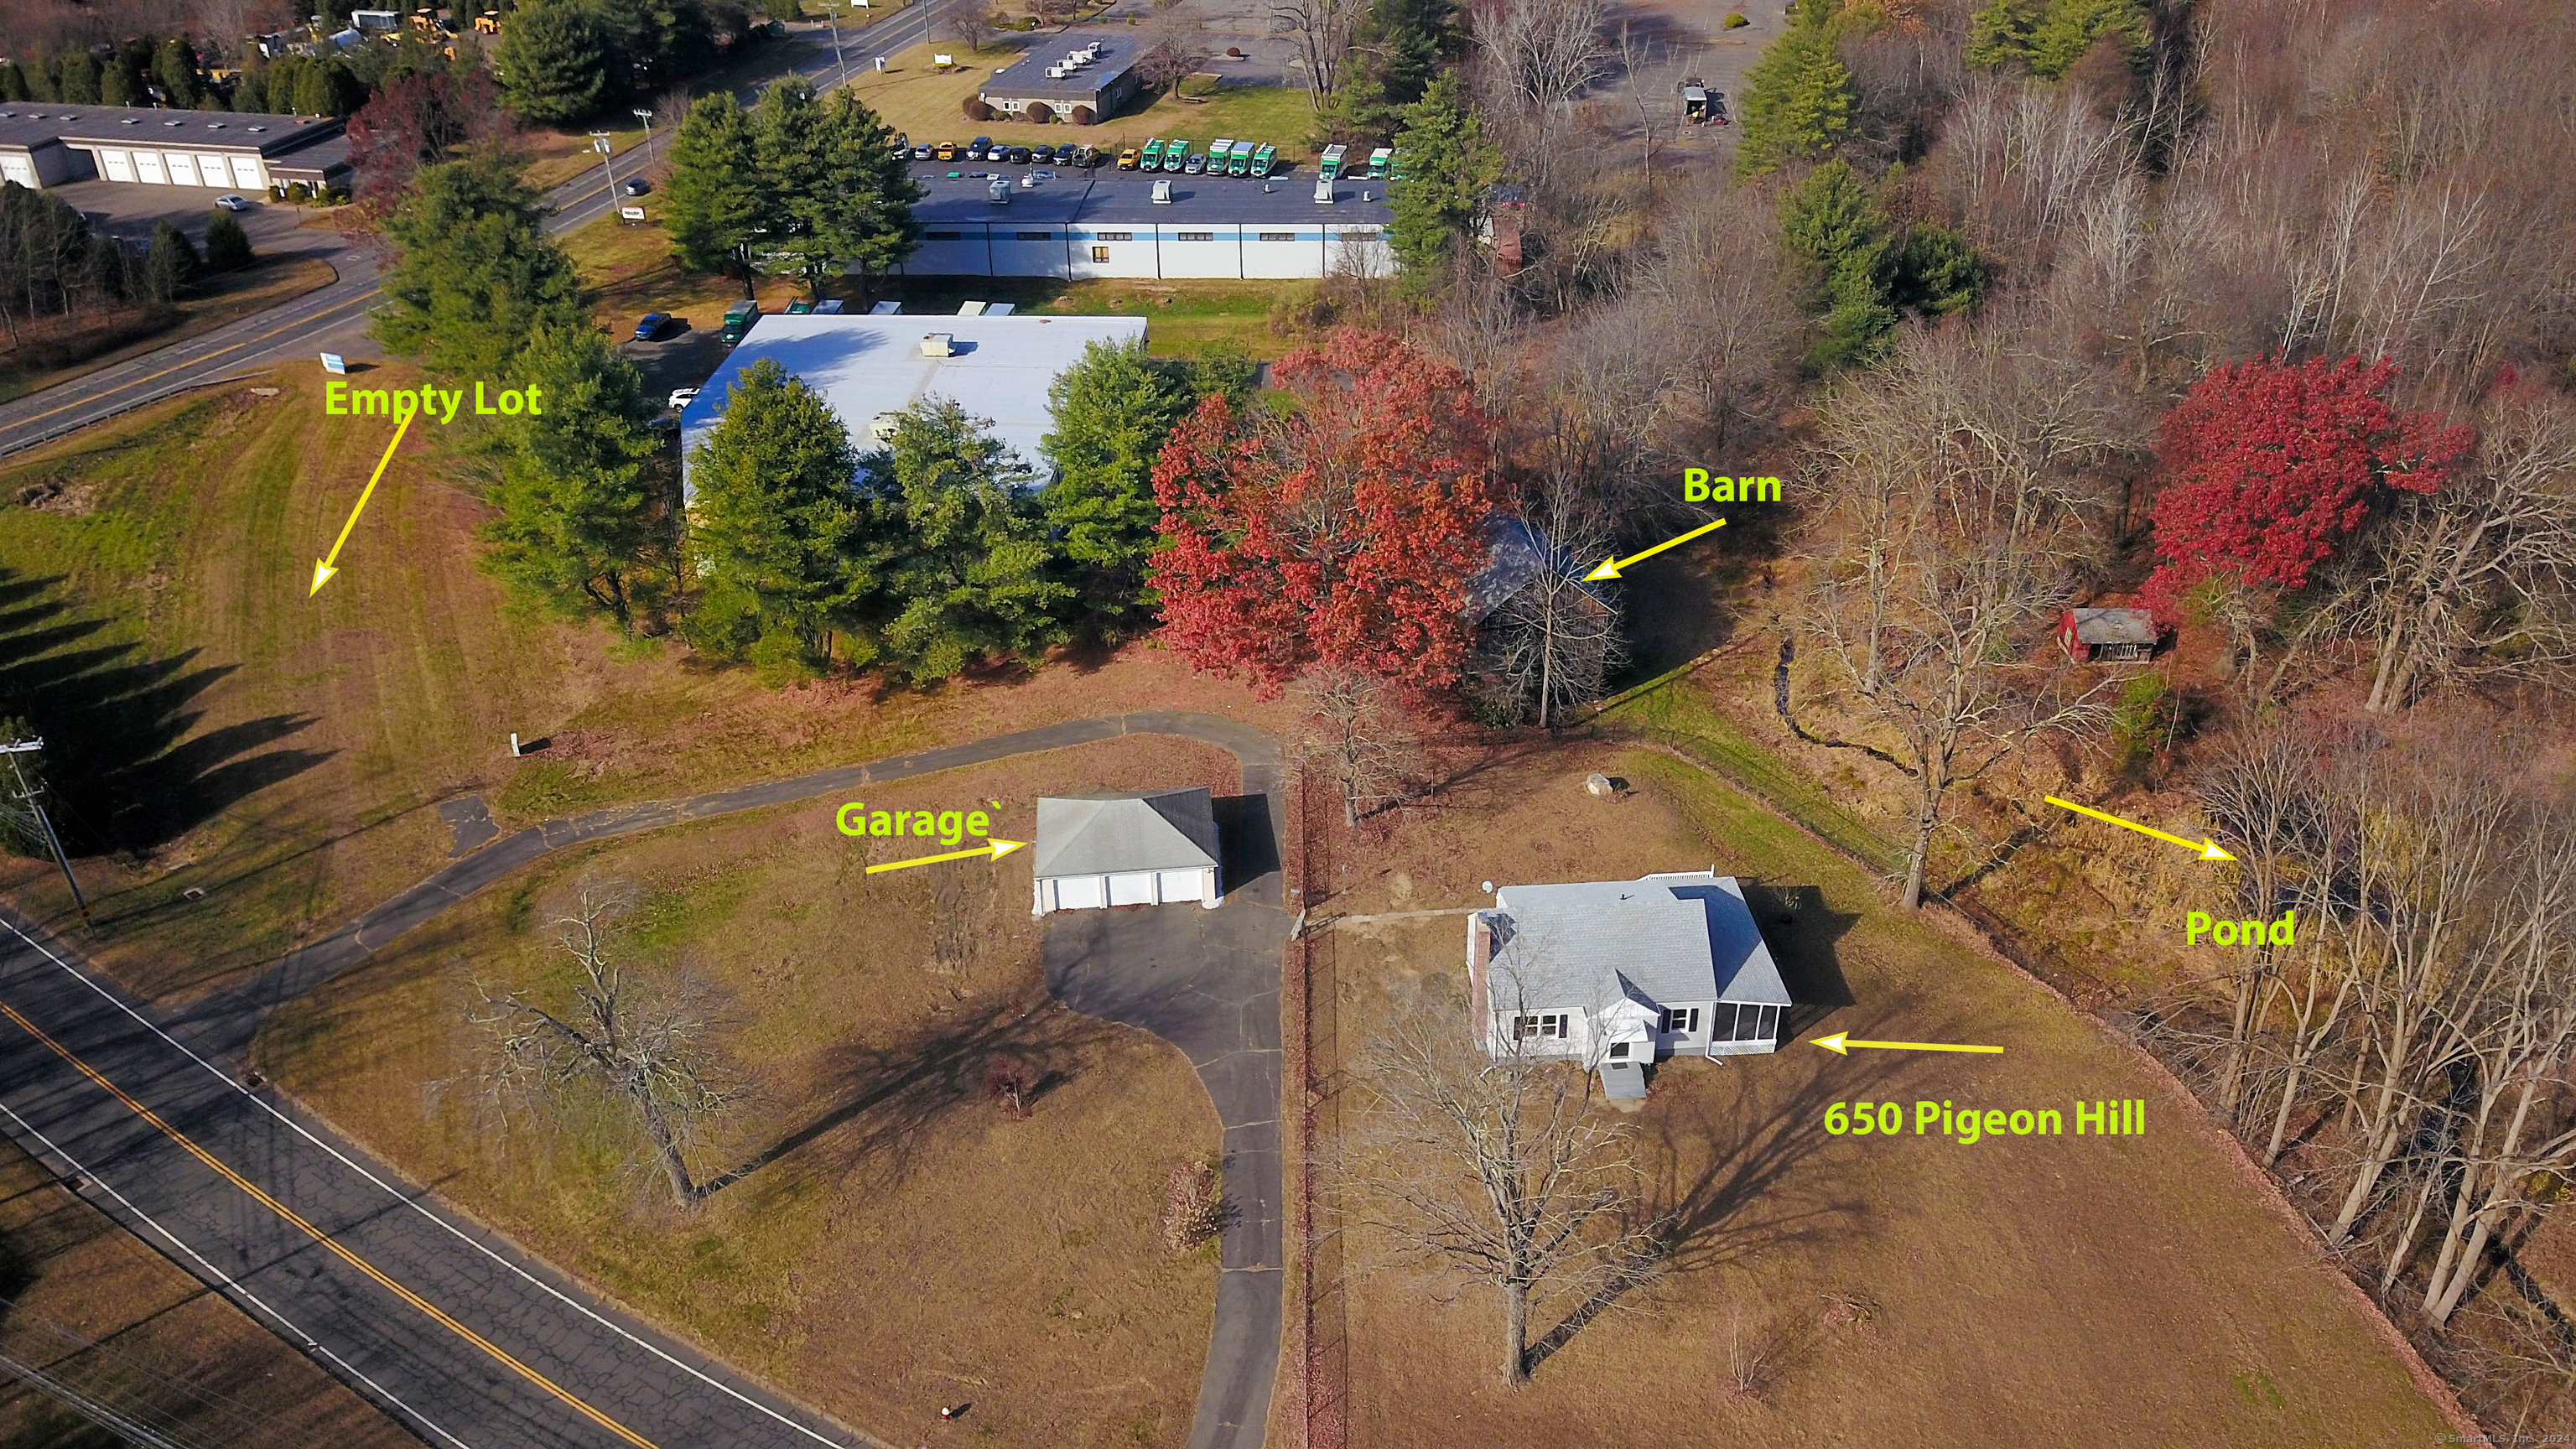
[47,144]
[998,368]
[1092,70]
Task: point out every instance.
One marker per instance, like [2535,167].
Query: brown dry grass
[328,729]
[2021,1291]
[903,1243]
[159,1344]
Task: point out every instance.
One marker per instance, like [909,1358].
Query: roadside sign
[334,362]
[630,213]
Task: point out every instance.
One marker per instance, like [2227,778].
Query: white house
[1153,849]
[1616,974]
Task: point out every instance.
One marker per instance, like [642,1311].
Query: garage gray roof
[1104,834]
[2114,626]
[1673,938]
[38,123]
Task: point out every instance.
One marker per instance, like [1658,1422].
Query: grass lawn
[285,755]
[902,1244]
[226,298]
[91,1305]
[630,272]
[926,105]
[2129,1291]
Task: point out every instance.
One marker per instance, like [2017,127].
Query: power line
[106,1416]
[245,1419]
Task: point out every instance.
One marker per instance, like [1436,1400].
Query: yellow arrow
[2208,848]
[1610,566]
[322,570]
[996,850]
[1841,1042]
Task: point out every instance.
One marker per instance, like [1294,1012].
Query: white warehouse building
[1104,223]
[995,367]
[46,144]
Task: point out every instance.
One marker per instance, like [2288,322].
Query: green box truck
[1176,155]
[1153,160]
[1331,164]
[1240,163]
[737,321]
[1264,159]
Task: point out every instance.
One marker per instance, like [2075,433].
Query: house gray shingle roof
[1102,834]
[1672,938]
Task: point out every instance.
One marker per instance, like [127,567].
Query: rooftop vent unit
[938,344]
[884,427]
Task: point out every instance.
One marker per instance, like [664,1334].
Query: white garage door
[1182,885]
[18,169]
[1078,893]
[118,165]
[181,166]
[147,167]
[246,173]
[1135,888]
[212,170]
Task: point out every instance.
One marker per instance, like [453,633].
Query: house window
[1037,236]
[1618,1050]
[1117,236]
[943,236]
[1548,1025]
[1681,1020]
[1755,1023]
[1198,236]
[1100,254]
[1279,236]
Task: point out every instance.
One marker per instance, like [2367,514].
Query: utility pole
[599,143]
[15,750]
[645,114]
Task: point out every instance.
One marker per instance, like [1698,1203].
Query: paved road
[454,1332]
[300,328]
[1208,983]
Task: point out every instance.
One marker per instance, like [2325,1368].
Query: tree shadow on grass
[1802,931]
[1721,1197]
[123,765]
[888,1097]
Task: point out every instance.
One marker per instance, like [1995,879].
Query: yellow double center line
[101,394]
[326,1240]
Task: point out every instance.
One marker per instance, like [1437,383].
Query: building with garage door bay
[45,144]
[1154,849]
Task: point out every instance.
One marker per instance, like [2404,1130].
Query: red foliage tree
[1339,529]
[2272,466]
[415,121]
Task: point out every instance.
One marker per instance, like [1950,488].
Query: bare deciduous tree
[1550,645]
[1323,30]
[1354,728]
[1175,48]
[644,1040]
[1539,55]
[1502,1171]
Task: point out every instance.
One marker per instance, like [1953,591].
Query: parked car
[975,148]
[946,150]
[800,308]
[636,187]
[680,397]
[230,202]
[1127,159]
[1194,163]
[1019,156]
[921,152]
[654,326]
[1043,155]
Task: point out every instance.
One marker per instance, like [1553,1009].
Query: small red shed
[2107,636]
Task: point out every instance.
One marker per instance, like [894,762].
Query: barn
[1153,849]
[2107,636]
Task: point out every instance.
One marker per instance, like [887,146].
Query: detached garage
[1156,849]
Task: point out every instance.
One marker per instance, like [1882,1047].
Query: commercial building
[1104,223]
[44,144]
[867,368]
[1081,77]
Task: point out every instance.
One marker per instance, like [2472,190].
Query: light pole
[645,114]
[28,793]
[840,68]
[599,143]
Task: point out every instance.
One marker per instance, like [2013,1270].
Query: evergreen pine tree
[972,575]
[174,68]
[475,273]
[775,529]
[76,76]
[1448,166]
[581,525]
[554,63]
[1112,411]
[713,199]
[170,264]
[227,245]
[1797,97]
